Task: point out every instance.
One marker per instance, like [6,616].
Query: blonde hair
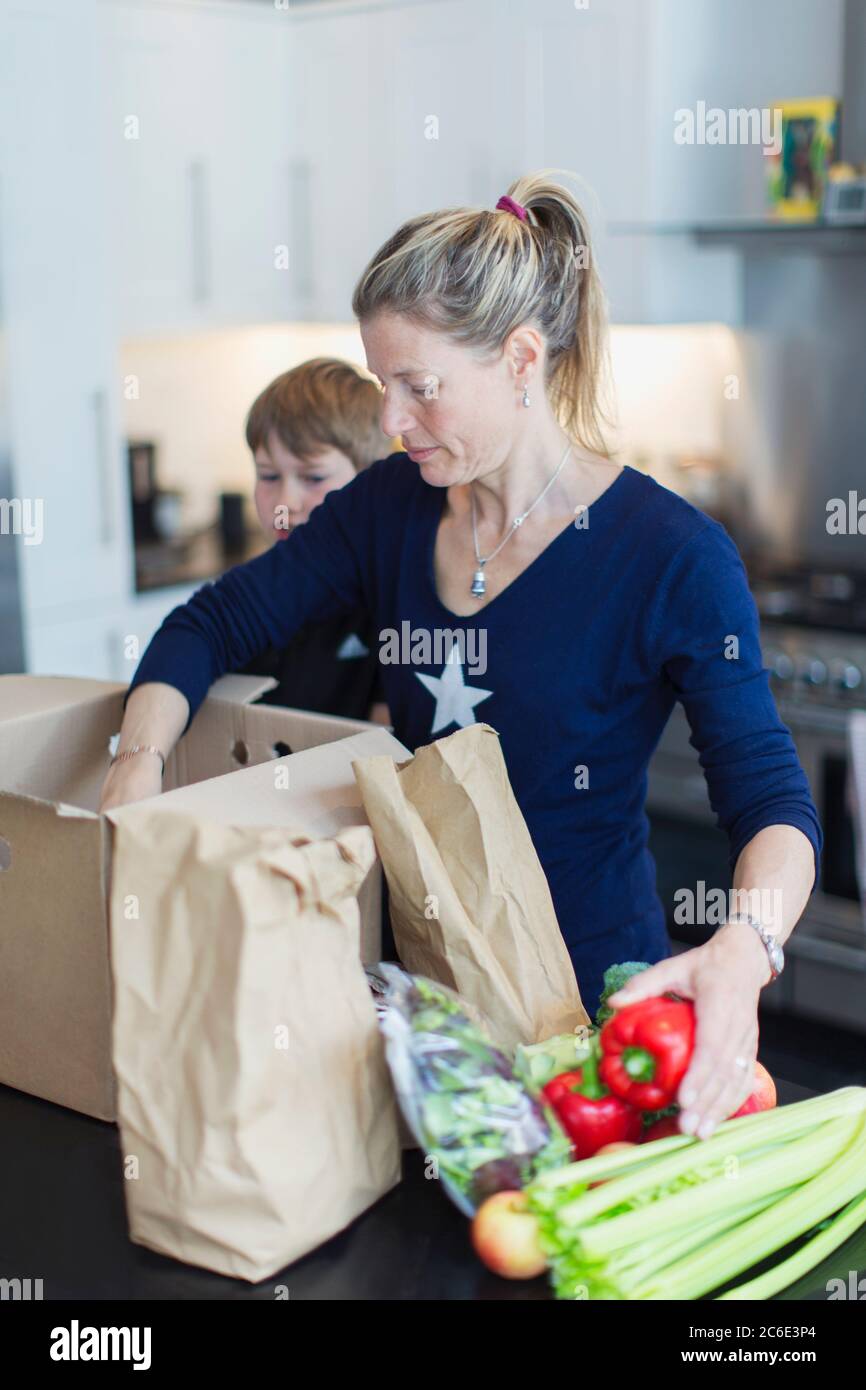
[475,275]
[323,403]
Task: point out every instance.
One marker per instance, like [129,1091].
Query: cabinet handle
[104,473]
[199,226]
[301,222]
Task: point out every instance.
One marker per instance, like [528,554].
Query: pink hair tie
[507,204]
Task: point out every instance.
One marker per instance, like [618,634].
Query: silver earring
[525,396]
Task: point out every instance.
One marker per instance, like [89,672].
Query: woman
[597,597]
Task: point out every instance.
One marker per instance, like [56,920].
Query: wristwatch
[775,954]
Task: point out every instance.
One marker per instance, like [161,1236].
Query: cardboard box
[55,849]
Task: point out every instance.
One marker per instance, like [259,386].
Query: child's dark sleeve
[325,568]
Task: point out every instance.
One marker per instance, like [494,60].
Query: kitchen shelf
[761,235]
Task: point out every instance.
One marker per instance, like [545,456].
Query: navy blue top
[587,650]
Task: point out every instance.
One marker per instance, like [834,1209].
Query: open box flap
[228,735]
[313,792]
[56,732]
[31,697]
[58,751]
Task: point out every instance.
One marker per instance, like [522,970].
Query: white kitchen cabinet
[103,641]
[159,266]
[452,108]
[68,472]
[406,108]
[197,135]
[474,93]
[398,110]
[142,616]
[585,92]
[90,646]
[248,163]
[337,75]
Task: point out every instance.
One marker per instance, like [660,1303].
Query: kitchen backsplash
[190,396]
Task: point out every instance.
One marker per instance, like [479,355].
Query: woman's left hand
[724,980]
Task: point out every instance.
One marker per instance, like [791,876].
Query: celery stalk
[699,1157]
[656,1254]
[683,1243]
[793,1164]
[781,1223]
[765,1285]
[679,1153]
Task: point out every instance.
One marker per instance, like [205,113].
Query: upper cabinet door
[246,169]
[197,125]
[155,147]
[338,171]
[453,103]
[67,462]
[400,110]
[585,111]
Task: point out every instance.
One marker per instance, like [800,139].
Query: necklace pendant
[479,584]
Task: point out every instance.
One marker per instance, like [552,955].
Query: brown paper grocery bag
[256,1112]
[470,905]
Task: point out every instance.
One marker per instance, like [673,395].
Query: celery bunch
[679,1217]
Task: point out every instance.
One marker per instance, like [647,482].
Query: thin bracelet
[138,748]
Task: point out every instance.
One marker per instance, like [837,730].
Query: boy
[310,431]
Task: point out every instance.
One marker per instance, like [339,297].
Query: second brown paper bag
[470,904]
[252,1148]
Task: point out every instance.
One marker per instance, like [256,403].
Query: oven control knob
[813,671]
[847,676]
[780,665]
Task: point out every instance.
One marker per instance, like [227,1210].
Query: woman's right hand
[131,780]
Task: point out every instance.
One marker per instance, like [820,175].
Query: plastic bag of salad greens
[459,1095]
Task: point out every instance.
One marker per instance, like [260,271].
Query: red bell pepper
[589,1114]
[646,1050]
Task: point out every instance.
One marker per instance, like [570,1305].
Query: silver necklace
[479,583]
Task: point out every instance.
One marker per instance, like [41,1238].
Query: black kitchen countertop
[62,1219]
[192,559]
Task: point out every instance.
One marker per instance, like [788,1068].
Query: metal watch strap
[138,748]
[775,954]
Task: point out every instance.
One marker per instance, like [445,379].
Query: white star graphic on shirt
[455,702]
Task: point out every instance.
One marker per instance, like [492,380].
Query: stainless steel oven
[818,676]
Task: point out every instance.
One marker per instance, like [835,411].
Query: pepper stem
[638,1063]
[591,1084]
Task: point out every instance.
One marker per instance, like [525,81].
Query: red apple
[505,1236]
[763,1096]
